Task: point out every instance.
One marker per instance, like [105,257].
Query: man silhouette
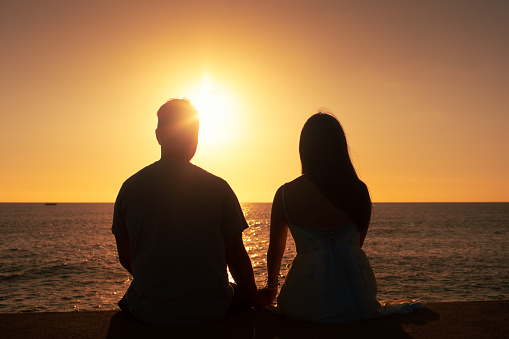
[177,228]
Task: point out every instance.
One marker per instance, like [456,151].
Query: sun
[218,125]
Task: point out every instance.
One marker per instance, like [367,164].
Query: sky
[420,87]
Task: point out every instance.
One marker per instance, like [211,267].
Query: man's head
[177,129]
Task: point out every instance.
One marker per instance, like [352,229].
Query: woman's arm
[366,214]
[278,233]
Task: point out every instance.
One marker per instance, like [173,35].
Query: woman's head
[326,161]
[323,148]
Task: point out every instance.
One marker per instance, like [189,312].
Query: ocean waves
[63,258]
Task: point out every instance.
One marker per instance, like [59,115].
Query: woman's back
[309,207]
[330,279]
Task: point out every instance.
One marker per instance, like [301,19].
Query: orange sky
[421,89]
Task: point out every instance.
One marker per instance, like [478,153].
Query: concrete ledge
[438,320]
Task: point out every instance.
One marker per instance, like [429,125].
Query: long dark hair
[325,160]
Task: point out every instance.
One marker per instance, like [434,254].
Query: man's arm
[125,254]
[241,270]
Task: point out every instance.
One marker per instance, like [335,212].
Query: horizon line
[263,202]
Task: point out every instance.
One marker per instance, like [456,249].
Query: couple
[178,227]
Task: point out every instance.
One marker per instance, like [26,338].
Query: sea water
[63,257]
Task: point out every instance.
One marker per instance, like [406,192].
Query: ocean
[63,257]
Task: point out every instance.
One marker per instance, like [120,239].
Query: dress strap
[284,204]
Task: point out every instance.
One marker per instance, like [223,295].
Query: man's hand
[261,299]
[269,293]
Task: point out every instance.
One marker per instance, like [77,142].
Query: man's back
[176,216]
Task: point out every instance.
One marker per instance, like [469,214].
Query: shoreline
[440,320]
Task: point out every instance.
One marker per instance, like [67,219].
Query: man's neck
[181,156]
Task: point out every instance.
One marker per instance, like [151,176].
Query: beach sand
[479,319]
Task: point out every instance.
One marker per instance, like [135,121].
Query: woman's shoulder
[290,185]
[295,188]
[295,181]
[292,190]
[300,181]
[363,189]
[361,186]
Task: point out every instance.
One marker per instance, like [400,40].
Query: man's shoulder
[206,174]
[185,173]
[208,179]
[142,172]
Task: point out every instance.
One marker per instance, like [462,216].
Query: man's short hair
[178,113]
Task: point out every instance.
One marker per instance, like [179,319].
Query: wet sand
[479,319]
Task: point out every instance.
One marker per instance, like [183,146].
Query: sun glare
[217,121]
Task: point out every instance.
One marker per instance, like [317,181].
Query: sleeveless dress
[331,279]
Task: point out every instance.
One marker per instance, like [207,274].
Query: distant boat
[50,204]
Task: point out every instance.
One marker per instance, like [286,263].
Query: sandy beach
[480,319]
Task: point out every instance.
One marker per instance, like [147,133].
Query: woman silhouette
[328,210]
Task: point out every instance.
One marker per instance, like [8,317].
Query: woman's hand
[261,299]
[270,293]
[277,245]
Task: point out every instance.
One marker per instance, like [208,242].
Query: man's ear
[157,136]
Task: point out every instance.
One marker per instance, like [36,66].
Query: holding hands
[264,296]
[270,291]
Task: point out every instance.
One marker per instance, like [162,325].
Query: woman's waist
[319,248]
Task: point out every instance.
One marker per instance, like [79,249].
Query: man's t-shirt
[176,216]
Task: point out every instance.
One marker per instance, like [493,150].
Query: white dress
[331,279]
